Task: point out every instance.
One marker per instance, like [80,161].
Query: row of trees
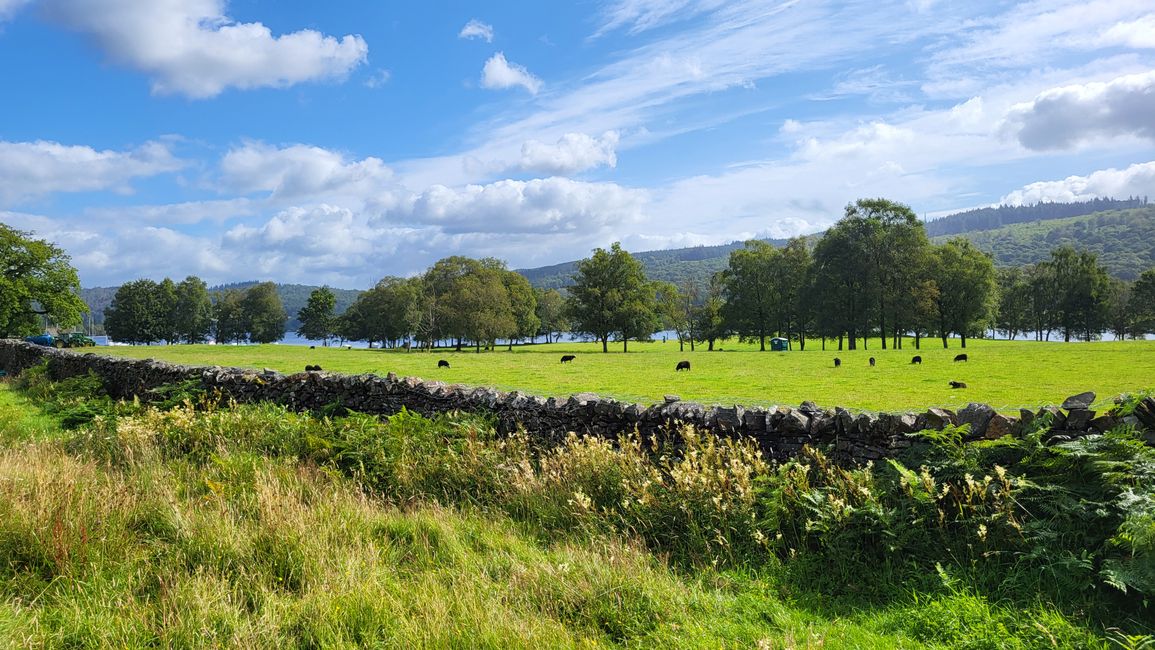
[145,311]
[873,275]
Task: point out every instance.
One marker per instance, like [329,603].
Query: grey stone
[978,416]
[794,422]
[937,418]
[754,420]
[809,407]
[907,423]
[1104,423]
[1145,411]
[670,399]
[1079,419]
[729,418]
[1080,401]
[1057,418]
[999,426]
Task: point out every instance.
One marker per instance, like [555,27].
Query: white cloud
[1135,33]
[1062,117]
[1136,180]
[499,74]
[642,15]
[550,205]
[477,29]
[31,169]
[300,170]
[574,152]
[190,47]
[378,78]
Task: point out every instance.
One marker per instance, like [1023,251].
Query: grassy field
[219,529]
[1004,374]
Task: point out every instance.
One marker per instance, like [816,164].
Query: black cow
[961,357]
[566,358]
[442,364]
[837,362]
[917,360]
[871,362]
[957,384]
[682,365]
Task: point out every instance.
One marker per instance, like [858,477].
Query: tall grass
[269,527]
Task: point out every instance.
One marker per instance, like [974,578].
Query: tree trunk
[761,342]
[917,340]
[625,342]
[964,340]
[681,343]
[605,344]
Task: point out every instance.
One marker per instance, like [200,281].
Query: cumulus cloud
[30,169]
[1136,180]
[499,74]
[477,29]
[550,205]
[573,152]
[191,47]
[300,170]
[1061,117]
[1138,33]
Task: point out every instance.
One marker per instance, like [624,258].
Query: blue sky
[343,141]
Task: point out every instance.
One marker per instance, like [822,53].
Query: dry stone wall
[852,437]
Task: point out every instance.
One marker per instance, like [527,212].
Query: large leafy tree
[752,305]
[842,282]
[611,297]
[316,317]
[965,280]
[551,313]
[264,313]
[709,322]
[1082,288]
[231,325]
[383,313]
[523,304]
[193,312]
[37,279]
[137,313]
[1142,302]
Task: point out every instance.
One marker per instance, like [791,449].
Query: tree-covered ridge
[1124,240]
[992,218]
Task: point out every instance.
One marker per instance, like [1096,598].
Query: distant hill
[1005,215]
[1041,227]
[293,297]
[673,265]
[1123,239]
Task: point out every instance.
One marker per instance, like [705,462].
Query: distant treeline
[1005,215]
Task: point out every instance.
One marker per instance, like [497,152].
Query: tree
[317,319]
[842,282]
[751,306]
[523,304]
[1082,288]
[676,305]
[965,279]
[38,280]
[551,313]
[791,272]
[709,323]
[264,313]
[193,312]
[167,310]
[137,314]
[229,312]
[1142,302]
[611,297]
[1014,311]
[1120,320]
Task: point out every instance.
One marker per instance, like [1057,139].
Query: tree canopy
[38,280]
[612,297]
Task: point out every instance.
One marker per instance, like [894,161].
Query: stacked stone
[781,432]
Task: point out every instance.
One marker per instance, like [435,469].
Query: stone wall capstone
[781,432]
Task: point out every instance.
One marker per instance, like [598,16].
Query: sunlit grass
[1005,374]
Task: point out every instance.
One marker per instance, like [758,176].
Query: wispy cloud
[475,29]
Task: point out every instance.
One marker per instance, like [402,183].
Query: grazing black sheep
[312,347]
[312,368]
[837,362]
[871,362]
[682,365]
[442,363]
[957,384]
[566,358]
[961,357]
[917,360]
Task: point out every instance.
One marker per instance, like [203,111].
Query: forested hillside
[1006,215]
[674,265]
[1124,240]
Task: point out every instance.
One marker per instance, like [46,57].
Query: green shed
[779,344]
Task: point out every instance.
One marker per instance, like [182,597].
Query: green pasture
[1004,374]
